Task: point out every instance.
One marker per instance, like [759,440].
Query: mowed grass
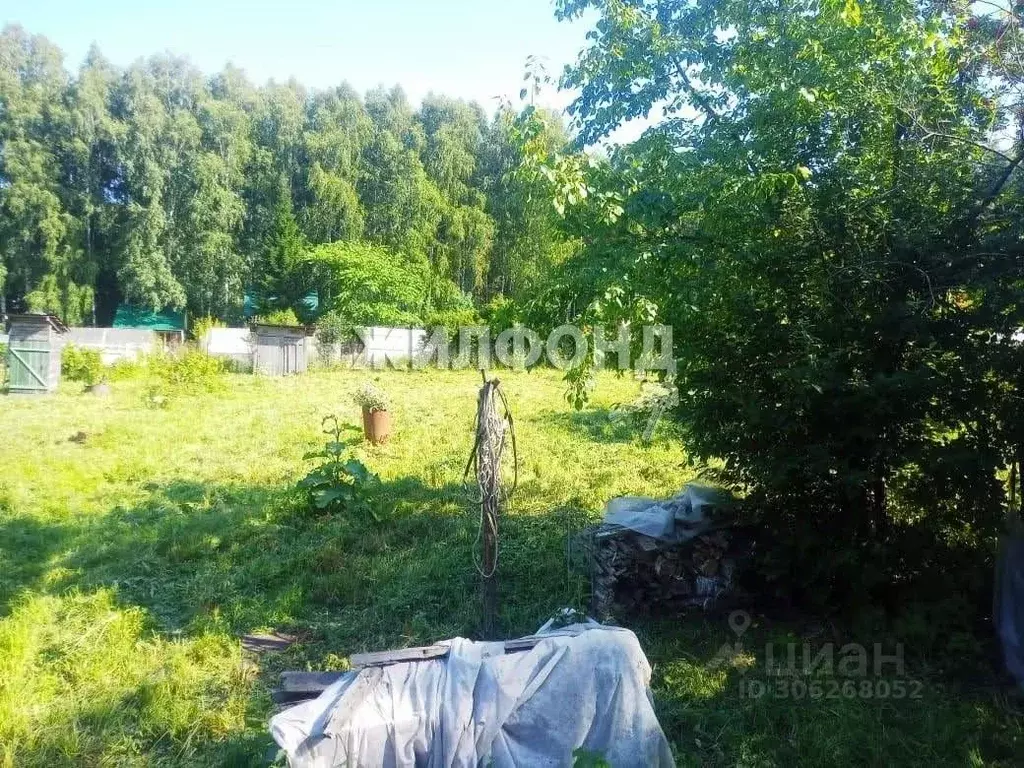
[138,545]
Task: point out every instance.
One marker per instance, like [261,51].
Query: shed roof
[308,330]
[51,320]
[129,316]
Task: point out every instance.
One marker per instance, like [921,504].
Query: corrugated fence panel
[390,345]
[114,343]
[235,344]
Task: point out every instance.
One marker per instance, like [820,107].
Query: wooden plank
[275,641]
[296,682]
[298,686]
[383,658]
[522,644]
[426,653]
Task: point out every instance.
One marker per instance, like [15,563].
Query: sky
[472,49]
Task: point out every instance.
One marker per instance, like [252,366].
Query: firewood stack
[634,573]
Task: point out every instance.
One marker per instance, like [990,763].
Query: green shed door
[28,364]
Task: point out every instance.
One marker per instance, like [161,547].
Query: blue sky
[474,49]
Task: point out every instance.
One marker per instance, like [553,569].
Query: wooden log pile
[632,573]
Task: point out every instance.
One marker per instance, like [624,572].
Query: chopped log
[630,572]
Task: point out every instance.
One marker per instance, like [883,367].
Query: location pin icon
[739,622]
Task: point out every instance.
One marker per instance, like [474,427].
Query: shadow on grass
[719,705]
[607,425]
[602,425]
[209,559]
[206,560]
[26,547]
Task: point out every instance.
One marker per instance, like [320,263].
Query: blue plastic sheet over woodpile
[1009,604]
[585,686]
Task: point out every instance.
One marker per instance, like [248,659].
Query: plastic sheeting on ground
[584,686]
[1009,604]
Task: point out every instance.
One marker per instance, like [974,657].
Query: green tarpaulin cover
[134,317]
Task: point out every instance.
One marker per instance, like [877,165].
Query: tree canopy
[829,217]
[166,187]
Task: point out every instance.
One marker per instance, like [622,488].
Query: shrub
[126,368]
[203,325]
[339,480]
[500,313]
[332,328]
[191,372]
[453,319]
[279,317]
[80,364]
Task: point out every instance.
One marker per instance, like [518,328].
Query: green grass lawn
[134,556]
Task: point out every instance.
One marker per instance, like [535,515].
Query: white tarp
[678,519]
[584,686]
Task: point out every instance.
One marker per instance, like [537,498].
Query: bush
[332,328]
[278,317]
[453,319]
[80,364]
[191,372]
[203,325]
[125,369]
[500,314]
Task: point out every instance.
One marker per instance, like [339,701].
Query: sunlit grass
[132,559]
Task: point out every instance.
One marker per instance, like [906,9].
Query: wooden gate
[280,350]
[33,354]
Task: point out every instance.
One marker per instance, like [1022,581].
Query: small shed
[168,324]
[281,349]
[33,353]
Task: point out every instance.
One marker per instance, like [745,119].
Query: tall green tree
[163,187]
[829,224]
[403,206]
[337,131]
[453,133]
[39,240]
[279,285]
[529,242]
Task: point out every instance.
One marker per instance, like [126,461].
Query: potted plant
[376,418]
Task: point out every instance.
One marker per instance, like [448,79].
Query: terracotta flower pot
[376,425]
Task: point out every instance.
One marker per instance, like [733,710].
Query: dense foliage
[162,186]
[830,218]
[81,364]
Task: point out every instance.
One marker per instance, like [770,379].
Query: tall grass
[134,556]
